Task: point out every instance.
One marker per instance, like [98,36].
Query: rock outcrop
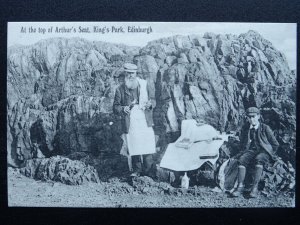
[60,91]
[60,169]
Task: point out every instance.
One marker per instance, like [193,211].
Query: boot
[137,166]
[241,177]
[257,175]
[148,167]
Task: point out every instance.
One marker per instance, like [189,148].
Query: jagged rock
[148,186]
[182,58]
[182,42]
[108,50]
[209,35]
[129,50]
[94,131]
[118,188]
[94,58]
[147,67]
[278,178]
[54,77]
[170,60]
[60,91]
[159,48]
[194,55]
[60,169]
[198,41]
[141,182]
[28,126]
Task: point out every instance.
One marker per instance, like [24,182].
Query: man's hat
[252,111]
[129,67]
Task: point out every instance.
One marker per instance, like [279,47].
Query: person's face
[130,75]
[253,119]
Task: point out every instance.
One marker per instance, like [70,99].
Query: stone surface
[60,91]
[60,169]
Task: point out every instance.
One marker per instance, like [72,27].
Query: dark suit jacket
[122,99]
[266,139]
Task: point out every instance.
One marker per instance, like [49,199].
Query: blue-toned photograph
[151,114]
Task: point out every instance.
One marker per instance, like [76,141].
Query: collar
[255,127]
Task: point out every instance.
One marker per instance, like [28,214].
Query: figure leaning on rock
[259,147]
[134,102]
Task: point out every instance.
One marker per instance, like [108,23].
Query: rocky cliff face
[60,91]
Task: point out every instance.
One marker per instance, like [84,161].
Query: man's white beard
[131,84]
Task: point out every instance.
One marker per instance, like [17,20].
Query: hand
[127,109]
[148,105]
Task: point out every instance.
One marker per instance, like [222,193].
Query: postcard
[95,109]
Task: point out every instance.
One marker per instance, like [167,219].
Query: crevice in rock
[270,70]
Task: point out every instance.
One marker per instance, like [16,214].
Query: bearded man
[134,102]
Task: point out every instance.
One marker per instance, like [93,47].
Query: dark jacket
[266,139]
[122,99]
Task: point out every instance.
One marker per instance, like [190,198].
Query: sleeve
[117,108]
[271,138]
[151,94]
[243,137]
[165,93]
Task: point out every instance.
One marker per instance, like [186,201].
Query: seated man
[259,146]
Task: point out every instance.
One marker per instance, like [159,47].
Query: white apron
[140,139]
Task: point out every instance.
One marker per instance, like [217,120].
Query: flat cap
[129,67]
[252,111]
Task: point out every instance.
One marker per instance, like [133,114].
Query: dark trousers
[254,157]
[144,167]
